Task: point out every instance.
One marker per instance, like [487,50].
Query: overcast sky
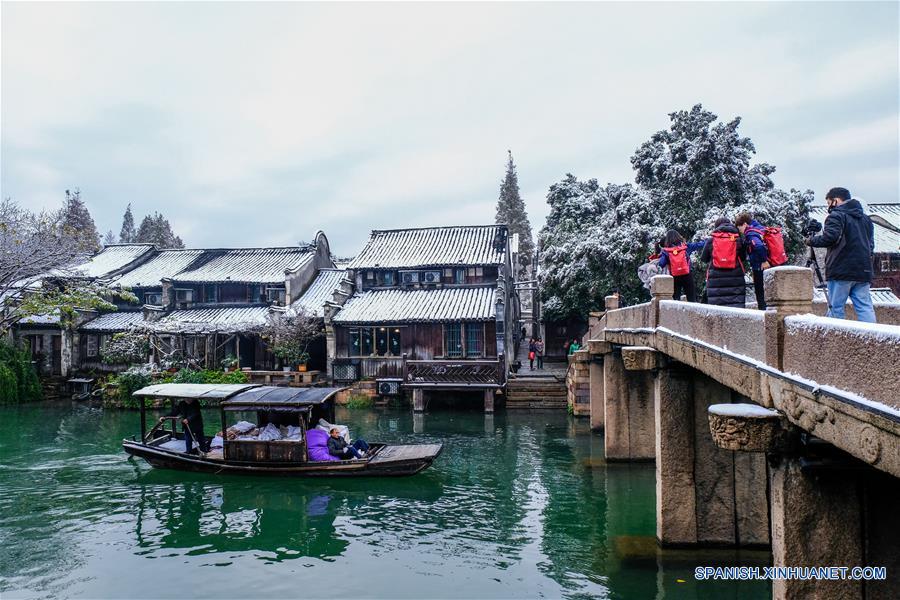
[258,124]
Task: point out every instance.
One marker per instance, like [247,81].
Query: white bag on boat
[343,430]
[269,433]
[243,426]
[217,442]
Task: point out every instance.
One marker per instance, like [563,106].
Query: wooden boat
[301,407]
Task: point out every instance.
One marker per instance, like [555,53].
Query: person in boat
[338,446]
[192,420]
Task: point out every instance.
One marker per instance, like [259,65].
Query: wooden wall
[419,341]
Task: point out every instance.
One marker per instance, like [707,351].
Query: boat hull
[389,461]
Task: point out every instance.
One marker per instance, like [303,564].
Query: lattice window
[474,340]
[453,340]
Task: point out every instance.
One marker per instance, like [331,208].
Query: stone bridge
[772,428]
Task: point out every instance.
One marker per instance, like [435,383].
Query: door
[57,355]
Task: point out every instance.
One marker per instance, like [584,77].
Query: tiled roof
[245,265]
[167,263]
[433,247]
[318,292]
[112,258]
[422,305]
[46,319]
[116,321]
[228,319]
[879,296]
[887,241]
[889,211]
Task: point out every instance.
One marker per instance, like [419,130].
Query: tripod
[813,262]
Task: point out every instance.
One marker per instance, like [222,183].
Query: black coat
[849,236]
[191,412]
[725,287]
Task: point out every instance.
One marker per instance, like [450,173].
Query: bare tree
[289,334]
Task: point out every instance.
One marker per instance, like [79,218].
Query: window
[276,295]
[370,275]
[209,294]
[365,342]
[394,341]
[354,342]
[474,339]
[388,278]
[460,276]
[154,298]
[453,340]
[369,341]
[184,295]
[381,341]
[92,346]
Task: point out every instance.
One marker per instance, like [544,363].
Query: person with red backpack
[725,277]
[676,254]
[765,248]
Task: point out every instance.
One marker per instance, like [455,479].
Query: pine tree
[511,211]
[128,234]
[156,229]
[109,238]
[77,220]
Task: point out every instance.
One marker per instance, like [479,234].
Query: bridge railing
[739,330]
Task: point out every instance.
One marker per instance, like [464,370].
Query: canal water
[518,505]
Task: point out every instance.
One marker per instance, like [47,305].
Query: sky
[254,124]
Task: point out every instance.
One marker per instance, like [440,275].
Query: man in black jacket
[849,236]
[192,421]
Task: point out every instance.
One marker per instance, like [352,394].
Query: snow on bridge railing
[631,317]
[860,357]
[739,330]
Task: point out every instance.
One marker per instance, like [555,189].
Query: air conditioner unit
[409,277]
[431,277]
[388,387]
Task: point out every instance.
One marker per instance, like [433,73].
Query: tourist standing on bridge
[849,236]
[765,248]
[675,253]
[725,278]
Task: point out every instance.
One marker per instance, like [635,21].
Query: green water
[518,505]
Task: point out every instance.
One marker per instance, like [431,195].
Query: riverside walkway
[772,428]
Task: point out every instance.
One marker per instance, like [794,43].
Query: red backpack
[724,249]
[678,261]
[775,245]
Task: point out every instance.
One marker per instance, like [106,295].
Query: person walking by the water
[539,350]
[675,254]
[849,236]
[725,278]
[532,353]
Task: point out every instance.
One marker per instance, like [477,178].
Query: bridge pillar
[598,349]
[789,291]
[418,397]
[489,401]
[628,404]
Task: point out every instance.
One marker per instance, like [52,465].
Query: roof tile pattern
[116,321]
[228,319]
[419,306]
[432,247]
[887,241]
[112,258]
[245,265]
[319,291]
[167,263]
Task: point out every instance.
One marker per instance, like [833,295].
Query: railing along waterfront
[455,373]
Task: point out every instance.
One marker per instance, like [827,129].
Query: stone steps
[537,391]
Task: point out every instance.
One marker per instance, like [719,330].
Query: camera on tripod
[812,227]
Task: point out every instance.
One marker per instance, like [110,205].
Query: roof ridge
[438,227]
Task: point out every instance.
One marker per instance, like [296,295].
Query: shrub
[18,381]
[207,376]
[9,387]
[360,401]
[129,382]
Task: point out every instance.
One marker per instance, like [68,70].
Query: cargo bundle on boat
[293,425]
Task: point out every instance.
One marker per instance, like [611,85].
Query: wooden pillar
[418,395]
[489,401]
[676,505]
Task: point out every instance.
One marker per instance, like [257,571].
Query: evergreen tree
[127,235]
[77,220]
[155,229]
[109,238]
[511,211]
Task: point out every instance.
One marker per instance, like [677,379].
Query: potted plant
[289,336]
[302,360]
[229,362]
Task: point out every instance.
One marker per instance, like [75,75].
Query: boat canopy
[279,398]
[210,391]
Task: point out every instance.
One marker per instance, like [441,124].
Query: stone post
[578,383]
[597,350]
[789,291]
[676,505]
[489,401]
[611,302]
[418,396]
[662,287]
[628,399]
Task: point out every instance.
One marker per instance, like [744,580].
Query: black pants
[684,284]
[540,359]
[759,289]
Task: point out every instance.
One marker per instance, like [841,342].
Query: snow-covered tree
[78,220]
[155,229]
[511,211]
[289,335]
[110,238]
[698,164]
[128,234]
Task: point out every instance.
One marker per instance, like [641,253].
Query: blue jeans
[858,292]
[360,447]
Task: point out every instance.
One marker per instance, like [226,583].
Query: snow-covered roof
[51,318]
[887,238]
[245,265]
[116,321]
[111,259]
[168,263]
[879,296]
[319,291]
[229,319]
[433,247]
[419,306]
